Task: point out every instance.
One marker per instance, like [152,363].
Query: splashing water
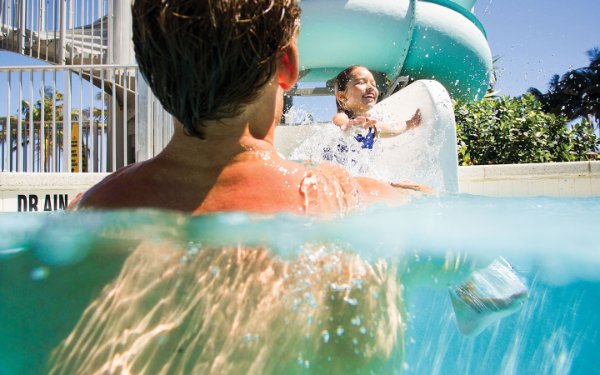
[329,143]
[414,149]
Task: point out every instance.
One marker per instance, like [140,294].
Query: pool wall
[52,191]
[574,179]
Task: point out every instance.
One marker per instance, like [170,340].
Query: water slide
[422,39]
[439,44]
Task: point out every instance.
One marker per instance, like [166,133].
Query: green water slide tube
[421,39]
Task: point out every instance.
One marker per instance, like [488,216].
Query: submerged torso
[178,310]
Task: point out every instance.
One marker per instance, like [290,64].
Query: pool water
[151,292]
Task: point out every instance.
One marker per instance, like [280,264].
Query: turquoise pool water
[368,293]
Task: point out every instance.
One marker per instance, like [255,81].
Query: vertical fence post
[63,32]
[66,157]
[143,115]
[21,26]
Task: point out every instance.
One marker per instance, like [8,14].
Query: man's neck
[252,130]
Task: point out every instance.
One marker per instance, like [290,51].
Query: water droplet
[39,273]
[339,331]
[357,283]
[325,336]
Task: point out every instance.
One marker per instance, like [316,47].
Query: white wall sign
[37,200]
[43,192]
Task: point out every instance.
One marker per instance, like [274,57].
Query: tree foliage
[508,130]
[576,93]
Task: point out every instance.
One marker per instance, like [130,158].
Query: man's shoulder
[112,192]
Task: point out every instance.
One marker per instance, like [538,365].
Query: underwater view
[153,292]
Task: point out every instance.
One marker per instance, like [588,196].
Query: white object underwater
[488,295]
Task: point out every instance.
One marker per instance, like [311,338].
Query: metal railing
[81,118]
[67,31]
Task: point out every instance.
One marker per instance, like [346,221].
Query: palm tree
[576,94]
[591,91]
[51,105]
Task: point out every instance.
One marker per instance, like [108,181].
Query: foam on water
[557,234]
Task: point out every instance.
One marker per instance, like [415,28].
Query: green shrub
[515,130]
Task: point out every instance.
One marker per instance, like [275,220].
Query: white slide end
[426,154]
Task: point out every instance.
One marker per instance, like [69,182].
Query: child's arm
[387,130]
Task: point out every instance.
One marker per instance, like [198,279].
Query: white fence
[80,118]
[67,31]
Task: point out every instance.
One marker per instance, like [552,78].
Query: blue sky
[534,39]
[538,38]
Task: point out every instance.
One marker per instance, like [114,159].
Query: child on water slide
[355,94]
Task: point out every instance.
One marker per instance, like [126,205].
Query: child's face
[361,93]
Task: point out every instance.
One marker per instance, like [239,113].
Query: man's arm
[374,191]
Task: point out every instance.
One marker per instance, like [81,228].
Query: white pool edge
[572,179]
[49,191]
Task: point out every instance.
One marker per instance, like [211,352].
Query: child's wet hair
[340,83]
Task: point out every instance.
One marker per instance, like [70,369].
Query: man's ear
[287,67]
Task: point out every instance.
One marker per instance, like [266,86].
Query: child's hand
[363,121]
[414,121]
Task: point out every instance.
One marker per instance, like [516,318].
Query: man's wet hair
[206,59]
